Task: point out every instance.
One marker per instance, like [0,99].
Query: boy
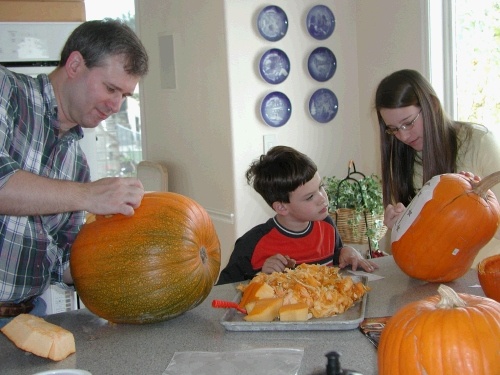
[300,232]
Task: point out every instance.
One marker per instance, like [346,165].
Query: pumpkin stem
[481,188]
[203,255]
[449,298]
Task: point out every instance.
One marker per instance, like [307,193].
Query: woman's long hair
[440,144]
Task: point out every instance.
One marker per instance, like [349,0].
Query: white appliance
[33,48]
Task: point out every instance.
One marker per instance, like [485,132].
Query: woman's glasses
[392,130]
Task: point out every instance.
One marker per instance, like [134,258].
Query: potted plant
[357,208]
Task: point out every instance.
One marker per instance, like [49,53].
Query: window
[118,139]
[476,37]
[465,64]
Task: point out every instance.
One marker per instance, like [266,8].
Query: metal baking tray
[350,319]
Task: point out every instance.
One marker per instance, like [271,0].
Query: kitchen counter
[104,348]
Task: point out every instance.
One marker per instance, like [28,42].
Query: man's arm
[26,194]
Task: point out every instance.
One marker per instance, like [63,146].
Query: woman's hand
[349,255]
[277,263]
[471,176]
[475,178]
[392,214]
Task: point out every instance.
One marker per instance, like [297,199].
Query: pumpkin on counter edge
[149,267]
[449,333]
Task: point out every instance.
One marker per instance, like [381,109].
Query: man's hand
[114,196]
[27,194]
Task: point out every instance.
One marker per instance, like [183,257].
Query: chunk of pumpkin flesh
[166,264]
[296,312]
[256,290]
[263,310]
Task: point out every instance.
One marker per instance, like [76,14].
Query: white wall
[331,145]
[208,129]
[387,41]
[189,127]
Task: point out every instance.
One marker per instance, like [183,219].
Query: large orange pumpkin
[451,334]
[149,267]
[444,227]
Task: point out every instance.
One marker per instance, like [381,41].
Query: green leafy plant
[361,195]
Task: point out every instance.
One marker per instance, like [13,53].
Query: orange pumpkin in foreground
[444,227]
[152,266]
[488,273]
[451,334]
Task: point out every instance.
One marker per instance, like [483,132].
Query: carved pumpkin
[444,227]
[488,272]
[149,267]
[457,334]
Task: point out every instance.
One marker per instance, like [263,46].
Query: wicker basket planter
[353,230]
[356,207]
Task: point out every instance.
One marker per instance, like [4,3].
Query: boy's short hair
[279,172]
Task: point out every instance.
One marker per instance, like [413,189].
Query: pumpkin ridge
[473,332]
[426,344]
[481,345]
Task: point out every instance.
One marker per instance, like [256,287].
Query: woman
[418,141]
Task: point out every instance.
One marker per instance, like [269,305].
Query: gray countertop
[104,348]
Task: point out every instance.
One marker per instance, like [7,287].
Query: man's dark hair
[96,40]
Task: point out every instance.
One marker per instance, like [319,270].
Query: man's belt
[10,309]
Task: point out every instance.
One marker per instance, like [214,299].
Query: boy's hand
[277,263]
[348,255]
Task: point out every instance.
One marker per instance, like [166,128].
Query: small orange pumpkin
[149,267]
[451,334]
[488,273]
[444,227]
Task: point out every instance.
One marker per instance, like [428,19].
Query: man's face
[94,94]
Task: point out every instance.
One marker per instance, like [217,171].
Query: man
[45,185]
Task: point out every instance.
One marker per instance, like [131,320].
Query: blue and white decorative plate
[323,105]
[322,64]
[274,66]
[276,109]
[320,22]
[272,23]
